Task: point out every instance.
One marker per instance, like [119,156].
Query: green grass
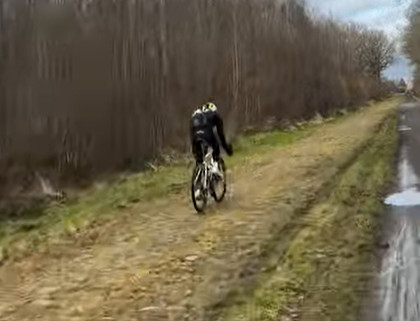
[327,264]
[96,204]
[254,143]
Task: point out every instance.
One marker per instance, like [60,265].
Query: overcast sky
[387,15]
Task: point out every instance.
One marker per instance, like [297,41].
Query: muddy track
[160,261]
[395,289]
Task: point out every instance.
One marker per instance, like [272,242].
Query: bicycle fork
[203,175]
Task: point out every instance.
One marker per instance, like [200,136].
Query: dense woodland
[92,86]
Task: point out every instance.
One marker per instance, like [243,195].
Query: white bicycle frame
[208,165]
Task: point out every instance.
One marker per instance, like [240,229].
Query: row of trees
[90,86]
[412,42]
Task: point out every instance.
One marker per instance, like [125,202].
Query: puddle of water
[404,128]
[400,277]
[409,105]
[408,178]
[410,197]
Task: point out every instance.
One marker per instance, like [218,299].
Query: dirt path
[160,261]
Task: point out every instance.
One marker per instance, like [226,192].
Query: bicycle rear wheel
[218,185]
[198,194]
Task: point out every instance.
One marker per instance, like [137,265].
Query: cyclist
[205,123]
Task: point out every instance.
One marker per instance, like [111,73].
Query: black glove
[229,149]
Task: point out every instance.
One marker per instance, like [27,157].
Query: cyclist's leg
[198,155]
[197,149]
[215,146]
[216,155]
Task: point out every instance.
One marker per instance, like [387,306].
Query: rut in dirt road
[159,261]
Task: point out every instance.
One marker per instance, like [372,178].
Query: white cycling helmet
[209,107]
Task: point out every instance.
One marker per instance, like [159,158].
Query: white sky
[387,15]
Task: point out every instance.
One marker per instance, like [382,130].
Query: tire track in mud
[159,261]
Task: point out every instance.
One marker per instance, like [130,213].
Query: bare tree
[375,52]
[412,41]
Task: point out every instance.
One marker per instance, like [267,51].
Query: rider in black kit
[205,121]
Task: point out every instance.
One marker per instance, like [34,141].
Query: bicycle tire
[220,198]
[199,209]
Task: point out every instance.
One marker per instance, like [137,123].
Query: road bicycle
[208,180]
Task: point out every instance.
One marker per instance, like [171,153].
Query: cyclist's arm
[220,132]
